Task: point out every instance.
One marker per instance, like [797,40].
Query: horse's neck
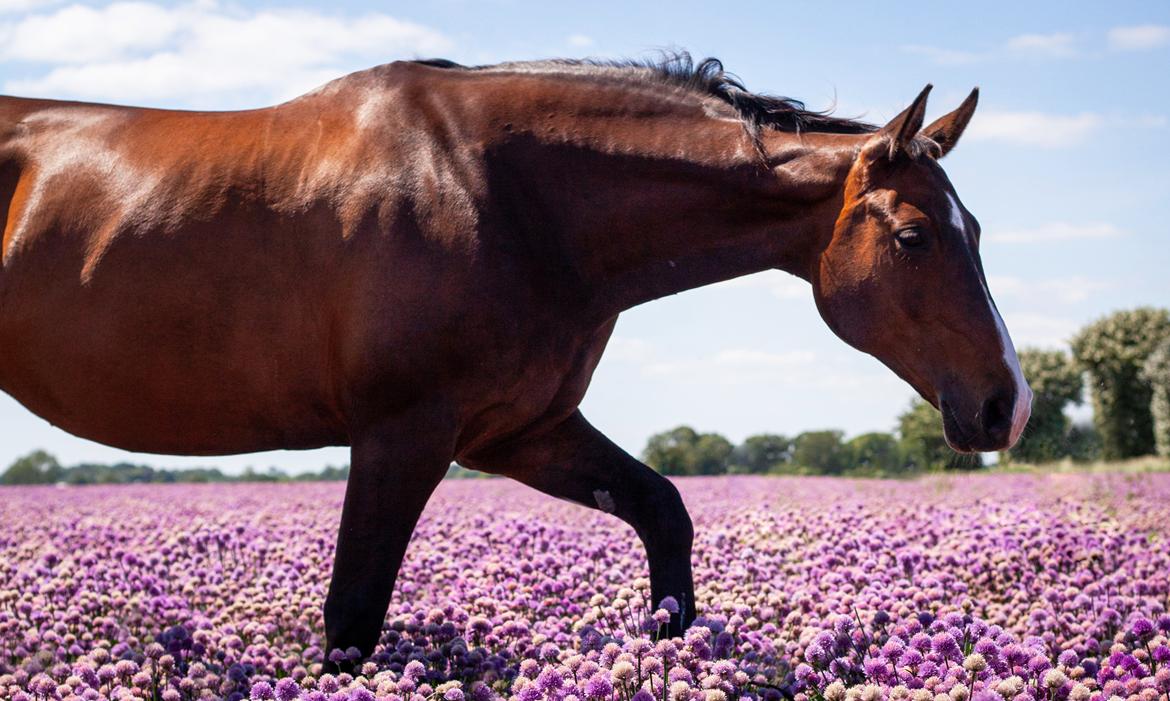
[650,204]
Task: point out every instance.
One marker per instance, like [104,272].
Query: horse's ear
[901,130]
[946,130]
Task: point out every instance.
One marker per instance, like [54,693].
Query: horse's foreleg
[394,468]
[574,461]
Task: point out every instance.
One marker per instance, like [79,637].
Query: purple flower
[287,690]
[946,646]
[599,686]
[1142,628]
[549,680]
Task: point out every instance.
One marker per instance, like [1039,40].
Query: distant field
[1002,587]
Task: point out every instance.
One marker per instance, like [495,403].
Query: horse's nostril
[997,415]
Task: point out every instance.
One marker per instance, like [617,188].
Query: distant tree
[1113,350]
[821,452]
[272,474]
[684,451]
[920,433]
[38,467]
[1083,442]
[876,451]
[1156,373]
[712,454]
[335,474]
[1056,382]
[670,452]
[760,454]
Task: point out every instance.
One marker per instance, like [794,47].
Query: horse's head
[901,279]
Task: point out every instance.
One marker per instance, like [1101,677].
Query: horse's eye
[910,237]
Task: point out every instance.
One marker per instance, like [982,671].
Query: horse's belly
[162,400]
[173,369]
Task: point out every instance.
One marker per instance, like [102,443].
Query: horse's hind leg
[394,468]
[574,461]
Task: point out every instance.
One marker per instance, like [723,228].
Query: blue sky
[1064,163]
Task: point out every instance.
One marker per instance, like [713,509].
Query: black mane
[707,77]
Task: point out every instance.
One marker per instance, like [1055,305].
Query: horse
[424,261]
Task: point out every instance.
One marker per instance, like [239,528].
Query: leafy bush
[920,433]
[38,467]
[1056,382]
[1156,372]
[1113,350]
[761,454]
[821,452]
[684,451]
[876,452]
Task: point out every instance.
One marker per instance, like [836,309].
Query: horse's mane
[707,77]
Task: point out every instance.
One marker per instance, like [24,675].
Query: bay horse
[424,261]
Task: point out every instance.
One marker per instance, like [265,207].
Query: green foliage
[1083,442]
[876,452]
[920,433]
[1056,382]
[821,452]
[761,454]
[1113,350]
[683,451]
[38,467]
[1156,373]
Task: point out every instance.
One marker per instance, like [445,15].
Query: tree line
[917,445]
[40,467]
[1123,360]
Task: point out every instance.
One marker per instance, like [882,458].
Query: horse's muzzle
[997,424]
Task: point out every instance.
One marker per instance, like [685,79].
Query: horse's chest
[542,380]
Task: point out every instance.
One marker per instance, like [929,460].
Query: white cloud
[629,350]
[1040,330]
[24,5]
[748,357]
[1034,128]
[579,41]
[1057,45]
[80,34]
[1068,290]
[1054,45]
[737,366]
[201,54]
[1055,231]
[779,284]
[1138,38]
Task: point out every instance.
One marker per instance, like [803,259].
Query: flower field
[983,587]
